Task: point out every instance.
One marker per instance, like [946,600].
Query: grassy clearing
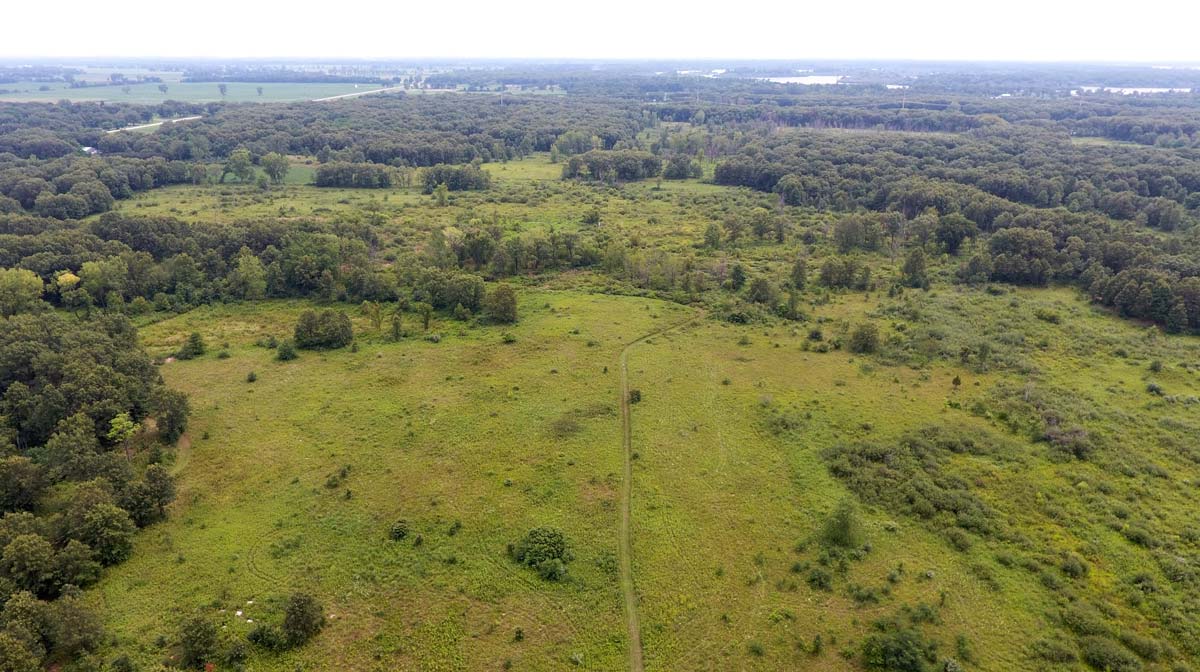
[502,437]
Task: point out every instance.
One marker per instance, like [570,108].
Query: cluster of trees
[76,395]
[456,178]
[612,165]
[78,186]
[357,175]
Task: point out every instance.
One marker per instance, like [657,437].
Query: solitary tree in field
[224,88]
[441,194]
[425,311]
[914,269]
[240,165]
[397,324]
[373,312]
[501,304]
[799,274]
[260,90]
[163,88]
[275,165]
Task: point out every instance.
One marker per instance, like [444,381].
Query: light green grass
[191,92]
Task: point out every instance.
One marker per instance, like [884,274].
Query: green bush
[864,339]
[544,549]
[268,637]
[1106,655]
[842,528]
[286,351]
[303,618]
[194,347]
[328,329]
[197,642]
[399,530]
[894,648]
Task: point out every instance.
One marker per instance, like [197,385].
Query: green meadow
[473,434]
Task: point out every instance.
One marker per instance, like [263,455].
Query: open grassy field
[292,482]
[726,507]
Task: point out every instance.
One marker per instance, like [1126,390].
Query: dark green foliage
[1108,656]
[456,178]
[268,637]
[109,530]
[171,410]
[544,549]
[197,642]
[286,351]
[398,530]
[357,175]
[909,477]
[324,330]
[303,618]
[501,304]
[194,347]
[913,272]
[894,647]
[842,529]
[613,165]
[864,339]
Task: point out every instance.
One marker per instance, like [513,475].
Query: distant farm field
[191,92]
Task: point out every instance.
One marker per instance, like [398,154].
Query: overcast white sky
[1027,30]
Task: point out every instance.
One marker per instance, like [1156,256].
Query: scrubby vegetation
[903,383]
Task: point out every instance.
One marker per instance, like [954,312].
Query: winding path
[625,547]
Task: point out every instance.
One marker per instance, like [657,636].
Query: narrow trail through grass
[625,545]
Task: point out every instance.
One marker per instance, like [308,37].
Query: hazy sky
[1041,30]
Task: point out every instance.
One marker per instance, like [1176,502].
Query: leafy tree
[761,291]
[397,326]
[952,230]
[286,351]
[275,165]
[197,642]
[799,275]
[425,311]
[240,165]
[842,528]
[15,656]
[193,347]
[373,312]
[913,270]
[223,88]
[865,338]
[28,561]
[544,549]
[303,618]
[21,483]
[501,304]
[737,277]
[249,279]
[328,329]
[20,291]
[712,236]
[109,530]
[171,411]
[897,648]
[75,564]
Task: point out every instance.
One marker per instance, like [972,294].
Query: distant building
[91,151]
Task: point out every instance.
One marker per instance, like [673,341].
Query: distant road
[314,100]
[351,95]
[157,123]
